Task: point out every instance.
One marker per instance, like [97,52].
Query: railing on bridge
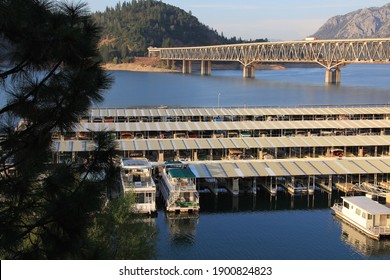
[331,54]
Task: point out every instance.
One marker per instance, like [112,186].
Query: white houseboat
[368,216]
[136,176]
[178,188]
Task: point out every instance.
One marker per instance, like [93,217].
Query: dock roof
[227,143]
[231,125]
[241,111]
[289,167]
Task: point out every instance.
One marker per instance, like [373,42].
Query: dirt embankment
[141,64]
[154,64]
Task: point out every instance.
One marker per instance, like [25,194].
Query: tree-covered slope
[130,28]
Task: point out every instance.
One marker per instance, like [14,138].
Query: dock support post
[210,157]
[235,187]
[187,67]
[170,64]
[205,67]
[160,156]
[332,76]
[195,156]
[260,154]
[248,71]
[254,189]
[360,153]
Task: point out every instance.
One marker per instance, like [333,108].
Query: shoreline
[132,67]
[153,64]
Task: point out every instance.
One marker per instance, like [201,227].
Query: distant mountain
[130,28]
[364,23]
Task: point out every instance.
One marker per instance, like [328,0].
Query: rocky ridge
[364,23]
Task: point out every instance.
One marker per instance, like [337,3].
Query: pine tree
[51,75]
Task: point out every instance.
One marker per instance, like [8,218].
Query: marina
[301,149]
[258,222]
[255,218]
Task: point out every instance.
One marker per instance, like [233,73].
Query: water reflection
[363,244]
[182,228]
[263,201]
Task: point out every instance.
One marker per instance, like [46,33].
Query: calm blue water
[295,86]
[256,227]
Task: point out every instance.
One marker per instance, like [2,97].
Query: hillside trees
[50,75]
[130,28]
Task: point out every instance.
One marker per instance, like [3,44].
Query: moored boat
[298,188]
[178,188]
[136,177]
[366,215]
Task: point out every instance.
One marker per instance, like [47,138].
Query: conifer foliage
[128,29]
[50,74]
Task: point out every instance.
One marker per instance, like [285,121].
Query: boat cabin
[366,214]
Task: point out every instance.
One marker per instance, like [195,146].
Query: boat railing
[381,230]
[182,184]
[173,198]
[147,207]
[337,207]
[138,184]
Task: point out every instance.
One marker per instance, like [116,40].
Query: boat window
[369,216]
[358,211]
[346,205]
[388,216]
[364,215]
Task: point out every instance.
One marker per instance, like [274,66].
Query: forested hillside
[128,29]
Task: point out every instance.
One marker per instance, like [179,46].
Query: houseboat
[178,188]
[136,177]
[366,215]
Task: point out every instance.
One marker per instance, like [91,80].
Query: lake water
[295,86]
[258,227]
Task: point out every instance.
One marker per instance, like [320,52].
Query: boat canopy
[181,173]
[133,163]
[368,205]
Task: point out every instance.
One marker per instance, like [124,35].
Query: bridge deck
[329,53]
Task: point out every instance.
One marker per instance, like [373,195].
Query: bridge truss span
[331,54]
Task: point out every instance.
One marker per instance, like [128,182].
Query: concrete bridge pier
[187,67]
[205,67]
[248,71]
[170,64]
[332,76]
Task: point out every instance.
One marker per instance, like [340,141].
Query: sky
[255,19]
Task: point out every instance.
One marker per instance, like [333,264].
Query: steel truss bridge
[331,54]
